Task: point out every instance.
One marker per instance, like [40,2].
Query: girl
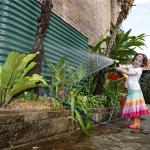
[135,105]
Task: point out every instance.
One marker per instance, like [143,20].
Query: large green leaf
[23,84]
[10,70]
[124,45]
[13,75]
[72,104]
[81,122]
[27,69]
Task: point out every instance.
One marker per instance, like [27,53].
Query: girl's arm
[124,71]
[145,68]
[123,66]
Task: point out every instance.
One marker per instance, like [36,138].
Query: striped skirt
[135,105]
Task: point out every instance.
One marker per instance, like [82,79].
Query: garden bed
[16,105]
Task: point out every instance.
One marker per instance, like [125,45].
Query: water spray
[98,62]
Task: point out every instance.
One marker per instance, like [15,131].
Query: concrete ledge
[23,128]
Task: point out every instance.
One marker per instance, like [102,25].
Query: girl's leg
[136,123]
[132,121]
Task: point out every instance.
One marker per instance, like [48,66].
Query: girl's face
[138,61]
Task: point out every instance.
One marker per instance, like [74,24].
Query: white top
[133,81]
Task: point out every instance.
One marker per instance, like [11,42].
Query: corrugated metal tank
[18,24]
[63,40]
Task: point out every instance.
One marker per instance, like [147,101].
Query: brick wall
[90,17]
[115,7]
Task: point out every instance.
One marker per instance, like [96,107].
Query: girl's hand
[118,68]
[124,71]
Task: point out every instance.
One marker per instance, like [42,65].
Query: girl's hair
[145,59]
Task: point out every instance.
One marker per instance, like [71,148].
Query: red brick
[90,17]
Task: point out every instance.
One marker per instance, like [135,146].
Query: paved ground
[114,136]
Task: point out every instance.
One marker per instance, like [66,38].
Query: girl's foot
[134,126]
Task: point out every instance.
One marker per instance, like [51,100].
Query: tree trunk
[43,23]
[100,83]
[126,6]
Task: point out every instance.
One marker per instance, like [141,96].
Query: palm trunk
[43,24]
[126,5]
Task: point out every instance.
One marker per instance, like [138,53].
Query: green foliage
[28,96]
[58,76]
[13,76]
[57,103]
[90,85]
[79,111]
[66,84]
[96,101]
[99,45]
[80,73]
[123,46]
[44,99]
[63,77]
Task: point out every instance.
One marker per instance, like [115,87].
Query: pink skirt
[135,105]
